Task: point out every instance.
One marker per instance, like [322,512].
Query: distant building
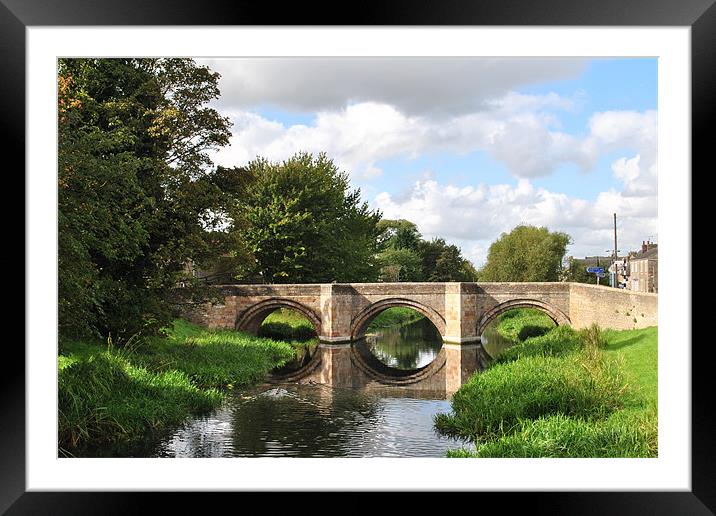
[644,269]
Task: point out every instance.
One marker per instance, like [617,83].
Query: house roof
[651,254]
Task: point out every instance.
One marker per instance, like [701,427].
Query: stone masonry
[341,314]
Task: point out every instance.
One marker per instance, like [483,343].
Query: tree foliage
[405,256]
[306,225]
[527,253]
[575,270]
[134,202]
[400,264]
[398,234]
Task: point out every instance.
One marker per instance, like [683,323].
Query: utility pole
[615,238]
[616,257]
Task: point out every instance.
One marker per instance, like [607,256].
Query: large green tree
[134,203]
[306,224]
[405,256]
[398,234]
[400,264]
[527,253]
[443,262]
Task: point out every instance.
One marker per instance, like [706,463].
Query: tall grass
[109,395]
[218,358]
[622,434]
[522,323]
[565,394]
[106,398]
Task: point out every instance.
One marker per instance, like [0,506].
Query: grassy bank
[564,394]
[287,325]
[294,328]
[396,316]
[109,395]
[523,323]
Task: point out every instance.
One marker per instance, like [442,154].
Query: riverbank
[566,393]
[108,395]
[523,323]
[396,316]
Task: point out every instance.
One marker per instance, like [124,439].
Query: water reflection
[315,421]
[493,342]
[304,352]
[411,346]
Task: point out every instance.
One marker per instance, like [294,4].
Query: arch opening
[397,339]
[289,322]
[516,321]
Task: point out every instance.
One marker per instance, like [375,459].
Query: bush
[530,331]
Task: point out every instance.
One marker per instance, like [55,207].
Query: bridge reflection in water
[411,357]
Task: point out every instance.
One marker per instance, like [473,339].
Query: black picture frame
[700,15]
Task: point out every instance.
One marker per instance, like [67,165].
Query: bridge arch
[250,319]
[360,322]
[557,315]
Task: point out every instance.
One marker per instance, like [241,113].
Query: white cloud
[434,86]
[360,135]
[370,110]
[474,216]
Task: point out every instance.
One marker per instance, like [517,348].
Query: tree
[398,234]
[133,201]
[443,262]
[449,266]
[306,225]
[527,253]
[399,264]
[575,270]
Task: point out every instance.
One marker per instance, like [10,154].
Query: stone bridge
[341,313]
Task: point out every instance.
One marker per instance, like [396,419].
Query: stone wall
[460,311]
[619,309]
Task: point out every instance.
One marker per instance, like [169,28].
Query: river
[292,420]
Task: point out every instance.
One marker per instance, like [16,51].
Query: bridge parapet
[341,313]
[460,311]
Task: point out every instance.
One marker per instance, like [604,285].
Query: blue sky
[466,148]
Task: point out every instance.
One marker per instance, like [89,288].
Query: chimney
[644,246]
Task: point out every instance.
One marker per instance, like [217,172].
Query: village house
[643,269]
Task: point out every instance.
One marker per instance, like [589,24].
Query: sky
[466,148]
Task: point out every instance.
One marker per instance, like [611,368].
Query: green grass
[396,316]
[523,323]
[214,358]
[622,434]
[109,395]
[639,350]
[287,325]
[565,394]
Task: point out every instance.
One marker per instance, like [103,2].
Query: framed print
[415,88]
